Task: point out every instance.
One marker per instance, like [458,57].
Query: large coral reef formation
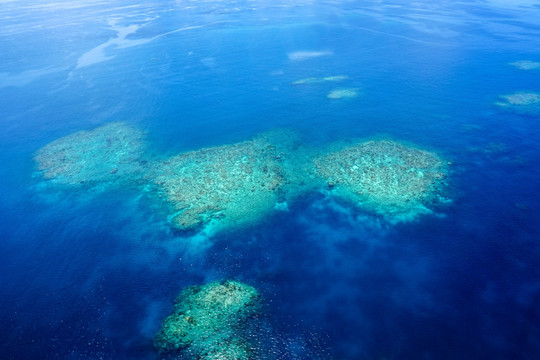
[235,185]
[396,181]
[109,153]
[211,322]
[232,184]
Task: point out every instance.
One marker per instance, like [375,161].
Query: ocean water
[90,274]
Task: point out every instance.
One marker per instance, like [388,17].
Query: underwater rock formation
[387,177]
[526,103]
[346,93]
[109,153]
[209,322]
[230,184]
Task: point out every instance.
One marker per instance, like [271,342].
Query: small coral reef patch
[320,80]
[526,65]
[345,93]
[227,185]
[396,181]
[211,322]
[109,153]
[527,103]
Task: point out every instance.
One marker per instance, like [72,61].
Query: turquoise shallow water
[91,274]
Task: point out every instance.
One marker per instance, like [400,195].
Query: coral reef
[227,186]
[526,65]
[307,55]
[209,322]
[320,80]
[109,153]
[384,176]
[230,184]
[527,103]
[345,93]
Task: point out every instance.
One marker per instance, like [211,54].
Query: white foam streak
[98,55]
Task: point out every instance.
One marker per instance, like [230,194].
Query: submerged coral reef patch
[384,176]
[345,93]
[210,322]
[230,184]
[320,80]
[526,65]
[526,103]
[109,153]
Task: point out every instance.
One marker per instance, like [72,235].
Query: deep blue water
[92,275]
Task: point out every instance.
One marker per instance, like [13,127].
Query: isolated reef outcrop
[344,93]
[211,322]
[109,153]
[525,103]
[526,65]
[394,180]
[320,80]
[226,185]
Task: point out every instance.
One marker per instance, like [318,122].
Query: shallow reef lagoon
[393,214]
